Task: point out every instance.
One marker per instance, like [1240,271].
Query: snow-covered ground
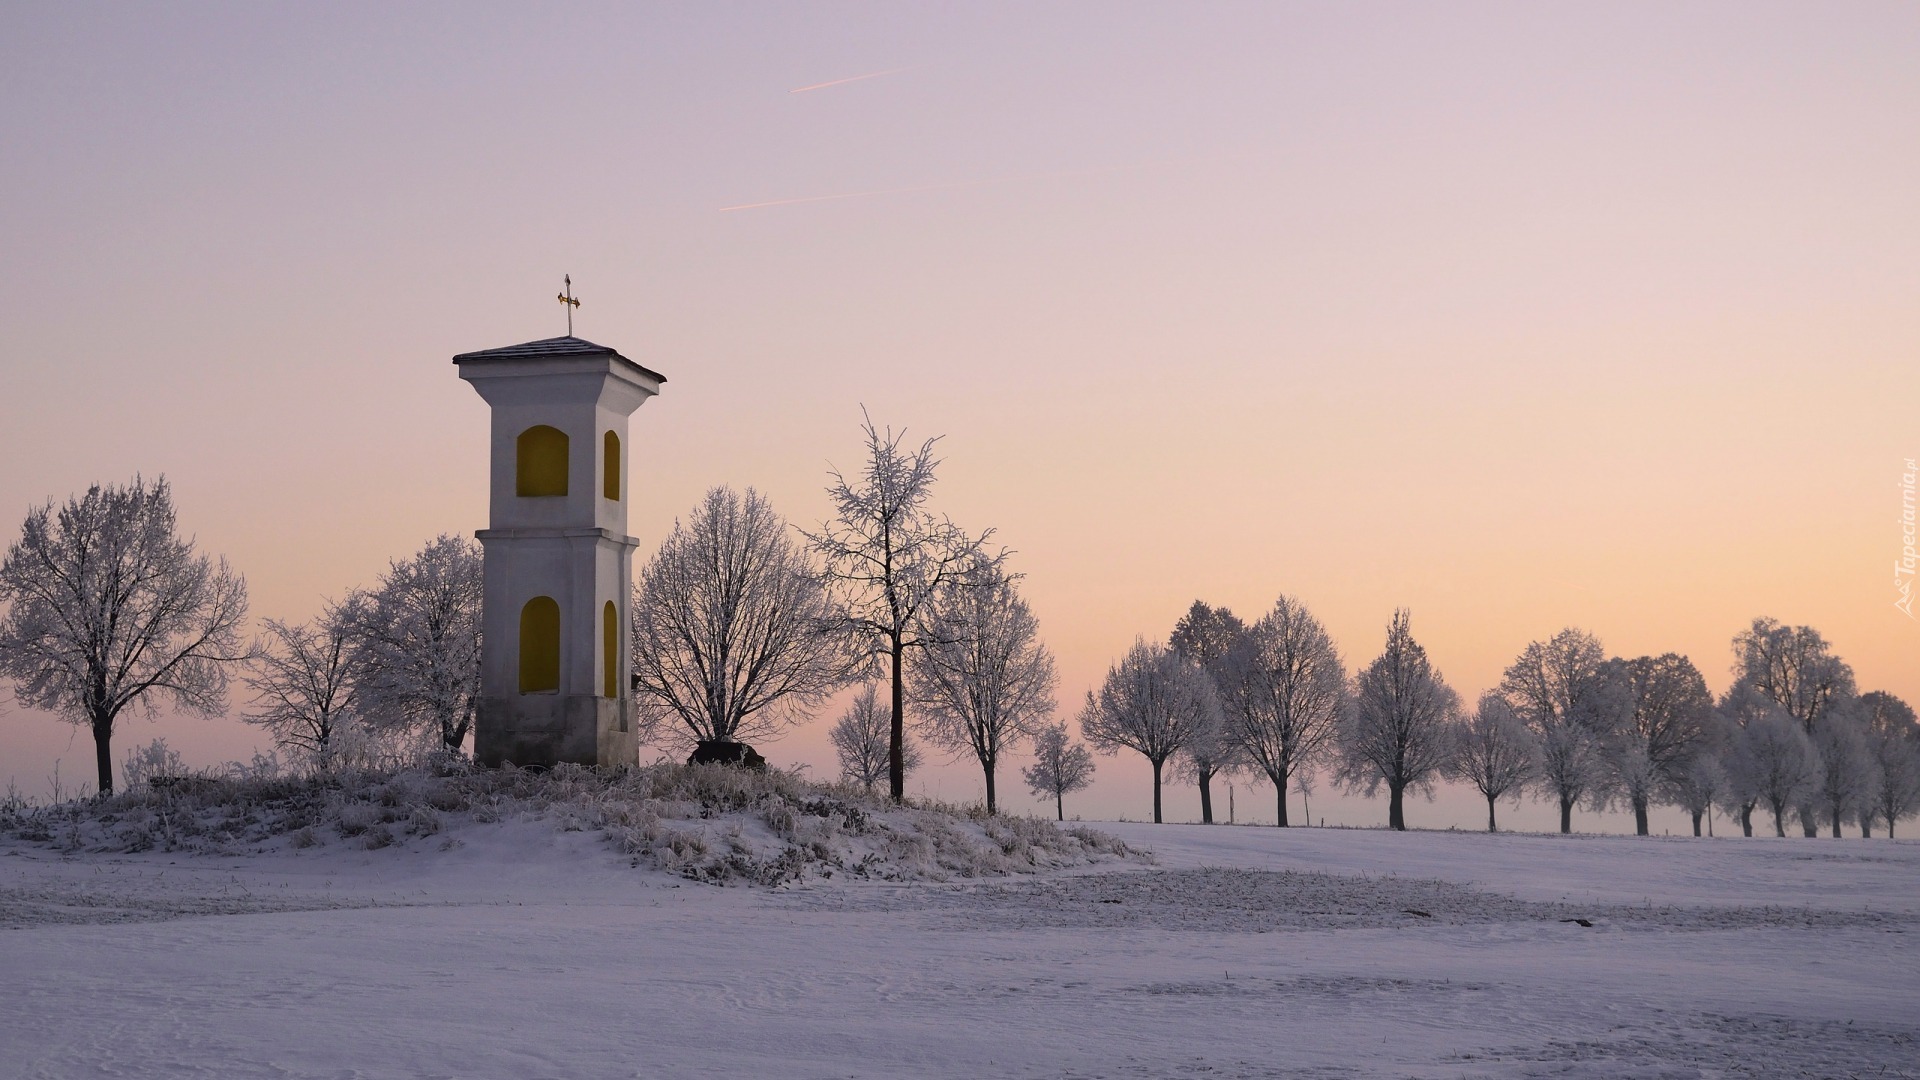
[522,951]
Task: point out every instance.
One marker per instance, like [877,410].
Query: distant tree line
[1791,738]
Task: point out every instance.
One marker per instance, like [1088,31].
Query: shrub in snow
[709,823]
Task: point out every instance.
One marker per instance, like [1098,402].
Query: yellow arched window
[540,462]
[540,645]
[610,650]
[610,449]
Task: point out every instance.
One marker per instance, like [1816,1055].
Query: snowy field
[522,952]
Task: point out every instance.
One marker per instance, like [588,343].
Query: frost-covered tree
[885,555]
[302,680]
[1495,752]
[416,659]
[1696,784]
[1213,752]
[861,740]
[983,680]
[1667,716]
[733,635]
[1564,690]
[1207,636]
[1884,712]
[1773,759]
[1283,689]
[107,608]
[1793,667]
[1399,732]
[1151,702]
[1739,707]
[1060,767]
[1893,739]
[1848,776]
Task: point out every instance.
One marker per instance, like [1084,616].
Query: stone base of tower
[544,730]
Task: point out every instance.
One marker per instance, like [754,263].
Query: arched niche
[540,646]
[610,467]
[540,462]
[610,650]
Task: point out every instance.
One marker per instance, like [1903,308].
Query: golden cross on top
[570,300]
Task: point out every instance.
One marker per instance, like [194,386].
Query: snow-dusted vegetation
[711,823]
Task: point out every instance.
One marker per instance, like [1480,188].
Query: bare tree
[1793,667]
[1207,636]
[733,634]
[1697,783]
[886,555]
[1060,767]
[1151,702]
[1773,759]
[983,679]
[1495,752]
[1893,738]
[106,606]
[302,682]
[1399,732]
[1667,716]
[416,661]
[1284,686]
[1564,691]
[1847,776]
[1213,752]
[1739,707]
[860,739]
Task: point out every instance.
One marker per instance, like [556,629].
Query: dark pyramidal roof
[552,347]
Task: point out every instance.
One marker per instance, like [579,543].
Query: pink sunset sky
[1521,316]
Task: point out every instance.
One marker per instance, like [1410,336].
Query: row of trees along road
[743,626]
[1567,722]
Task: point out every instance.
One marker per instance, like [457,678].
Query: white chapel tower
[559,563]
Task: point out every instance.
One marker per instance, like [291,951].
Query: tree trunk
[1490,827]
[1746,821]
[1640,818]
[1779,823]
[896,756]
[1396,817]
[1206,796]
[1156,792]
[1060,804]
[1280,789]
[1836,826]
[990,803]
[1866,827]
[103,753]
[1566,815]
[1696,823]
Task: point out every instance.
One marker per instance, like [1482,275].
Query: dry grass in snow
[710,823]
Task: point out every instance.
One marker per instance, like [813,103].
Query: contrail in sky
[843,82]
[953,186]
[861,194]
